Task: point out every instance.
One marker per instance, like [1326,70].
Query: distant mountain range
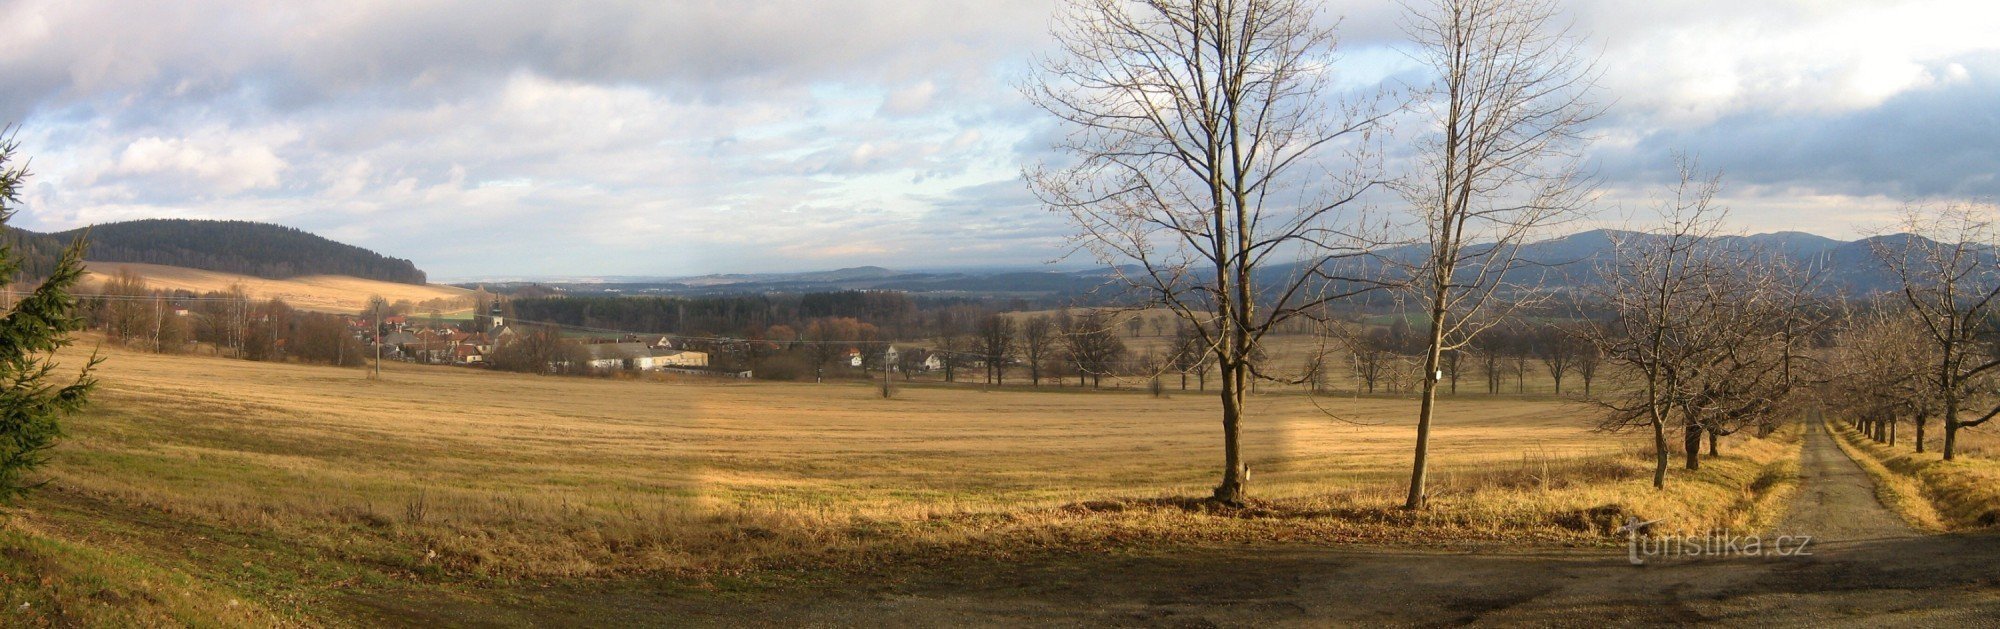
[278,252]
[991,283]
[242,247]
[1569,261]
[1851,267]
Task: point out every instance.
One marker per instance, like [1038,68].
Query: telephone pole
[378,340]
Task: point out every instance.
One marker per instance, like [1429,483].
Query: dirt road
[1864,568]
[1836,500]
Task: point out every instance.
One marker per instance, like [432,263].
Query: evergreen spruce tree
[33,399]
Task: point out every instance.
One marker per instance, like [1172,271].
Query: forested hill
[243,247]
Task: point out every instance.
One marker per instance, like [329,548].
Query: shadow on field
[1926,580]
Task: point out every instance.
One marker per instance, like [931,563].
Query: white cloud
[1690,62]
[229,168]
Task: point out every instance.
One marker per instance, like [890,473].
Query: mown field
[201,487]
[321,293]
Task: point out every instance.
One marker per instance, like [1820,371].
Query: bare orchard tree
[1509,97]
[1664,288]
[1754,320]
[1203,145]
[1882,364]
[1945,260]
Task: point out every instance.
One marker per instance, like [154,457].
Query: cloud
[1936,141]
[228,169]
[518,137]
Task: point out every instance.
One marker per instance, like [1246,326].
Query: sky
[506,139]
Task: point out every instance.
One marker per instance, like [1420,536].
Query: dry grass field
[323,293]
[302,489]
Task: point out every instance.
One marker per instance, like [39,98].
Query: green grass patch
[47,581]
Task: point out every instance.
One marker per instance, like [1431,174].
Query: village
[472,344]
[476,342]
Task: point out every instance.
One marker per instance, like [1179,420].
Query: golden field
[305,485]
[322,293]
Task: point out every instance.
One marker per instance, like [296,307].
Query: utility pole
[159,320]
[378,340]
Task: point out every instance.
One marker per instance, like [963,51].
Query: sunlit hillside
[324,293]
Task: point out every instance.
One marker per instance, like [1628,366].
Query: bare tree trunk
[1659,454]
[1950,427]
[1231,489]
[1419,469]
[1920,432]
[1691,446]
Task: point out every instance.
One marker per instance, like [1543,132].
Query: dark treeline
[897,315]
[242,247]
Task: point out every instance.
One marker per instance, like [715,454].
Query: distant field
[305,489]
[325,293]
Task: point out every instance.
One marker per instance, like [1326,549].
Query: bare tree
[1945,261]
[910,361]
[1587,356]
[541,350]
[1708,329]
[1881,362]
[1555,351]
[1492,361]
[1185,117]
[1371,354]
[951,348]
[1038,341]
[1509,96]
[129,312]
[1519,354]
[1092,346]
[993,340]
[1187,352]
[1454,366]
[1755,320]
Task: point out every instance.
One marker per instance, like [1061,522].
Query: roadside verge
[1928,492]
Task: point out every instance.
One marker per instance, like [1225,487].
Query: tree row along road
[1864,563]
